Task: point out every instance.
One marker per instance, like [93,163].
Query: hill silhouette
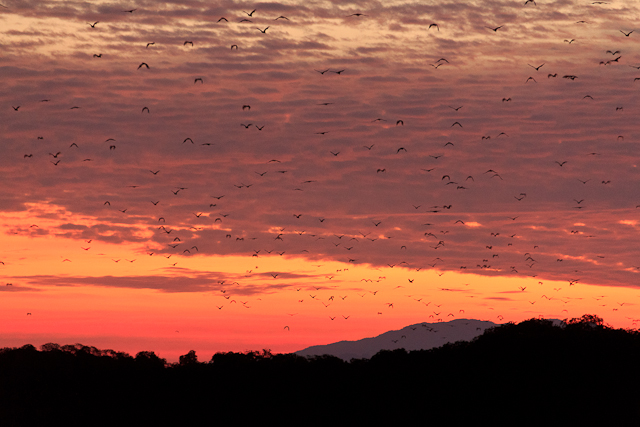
[420,336]
[531,373]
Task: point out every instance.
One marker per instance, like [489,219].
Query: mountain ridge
[419,336]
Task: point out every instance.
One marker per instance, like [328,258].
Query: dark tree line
[531,373]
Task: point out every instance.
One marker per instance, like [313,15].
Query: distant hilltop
[420,336]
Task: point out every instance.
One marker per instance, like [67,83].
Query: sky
[232,176]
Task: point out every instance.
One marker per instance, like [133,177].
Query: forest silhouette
[532,373]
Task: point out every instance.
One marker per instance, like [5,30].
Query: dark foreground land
[532,373]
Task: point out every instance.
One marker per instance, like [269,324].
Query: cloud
[9,287]
[361,170]
[187,281]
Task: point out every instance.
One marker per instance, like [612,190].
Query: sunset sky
[172,180]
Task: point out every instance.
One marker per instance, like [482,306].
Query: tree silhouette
[577,372]
[189,359]
[149,359]
[586,320]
